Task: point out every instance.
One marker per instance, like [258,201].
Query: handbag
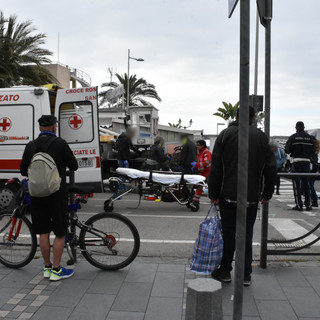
[208,248]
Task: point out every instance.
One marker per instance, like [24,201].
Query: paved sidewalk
[149,290]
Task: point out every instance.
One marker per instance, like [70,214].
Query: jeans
[228,220]
[121,164]
[300,184]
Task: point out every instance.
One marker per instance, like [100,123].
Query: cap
[300,124]
[47,120]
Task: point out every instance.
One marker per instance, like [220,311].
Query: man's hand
[215,202]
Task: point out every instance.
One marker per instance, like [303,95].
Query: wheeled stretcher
[162,185]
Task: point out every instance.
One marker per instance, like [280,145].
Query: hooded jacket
[124,144]
[224,174]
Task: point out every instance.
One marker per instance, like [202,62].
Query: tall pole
[128,82]
[243,149]
[58,46]
[265,208]
[256,59]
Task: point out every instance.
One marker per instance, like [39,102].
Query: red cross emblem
[5,124]
[75,122]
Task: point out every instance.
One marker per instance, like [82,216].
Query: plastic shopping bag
[208,248]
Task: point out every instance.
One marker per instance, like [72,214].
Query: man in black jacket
[49,213]
[188,155]
[223,189]
[301,147]
[123,146]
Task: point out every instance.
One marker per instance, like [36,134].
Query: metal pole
[243,148]
[128,82]
[265,208]
[58,46]
[256,59]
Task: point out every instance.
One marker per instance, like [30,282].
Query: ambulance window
[76,122]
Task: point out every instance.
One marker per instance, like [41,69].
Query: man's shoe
[315,204]
[278,193]
[47,272]
[63,273]
[297,208]
[247,280]
[309,208]
[222,276]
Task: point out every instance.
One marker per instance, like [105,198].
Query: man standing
[301,147]
[281,159]
[223,189]
[49,213]
[202,166]
[188,155]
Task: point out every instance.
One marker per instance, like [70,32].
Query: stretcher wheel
[108,206]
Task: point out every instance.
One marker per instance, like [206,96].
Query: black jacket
[123,146]
[301,145]
[59,150]
[157,154]
[188,154]
[224,172]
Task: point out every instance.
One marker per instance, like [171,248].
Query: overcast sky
[191,52]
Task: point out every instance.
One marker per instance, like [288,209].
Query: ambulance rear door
[77,113]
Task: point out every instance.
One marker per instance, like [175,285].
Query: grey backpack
[43,174]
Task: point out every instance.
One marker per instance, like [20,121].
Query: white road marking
[290,229]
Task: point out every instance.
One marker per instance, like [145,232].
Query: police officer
[301,147]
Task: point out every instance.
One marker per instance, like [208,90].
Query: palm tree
[21,54]
[139,89]
[228,112]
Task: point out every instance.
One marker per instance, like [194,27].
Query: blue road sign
[232,6]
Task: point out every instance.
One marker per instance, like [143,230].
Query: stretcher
[156,185]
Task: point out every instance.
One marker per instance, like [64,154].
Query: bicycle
[108,241]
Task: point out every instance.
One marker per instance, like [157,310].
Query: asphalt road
[168,230]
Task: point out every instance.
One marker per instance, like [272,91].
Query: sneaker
[315,204]
[278,193]
[222,276]
[63,273]
[47,272]
[309,208]
[297,208]
[247,280]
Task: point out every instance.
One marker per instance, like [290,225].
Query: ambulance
[77,112]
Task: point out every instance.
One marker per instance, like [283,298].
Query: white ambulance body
[77,113]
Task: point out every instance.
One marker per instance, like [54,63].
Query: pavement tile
[69,293]
[266,287]
[26,315]
[6,294]
[52,313]
[314,282]
[107,282]
[310,271]
[31,309]
[244,318]
[164,309]
[305,301]
[85,271]
[7,307]
[13,314]
[19,308]
[275,310]
[3,313]
[170,284]
[121,315]
[18,278]
[132,297]
[92,306]
[142,272]
[25,302]
[290,277]
[167,267]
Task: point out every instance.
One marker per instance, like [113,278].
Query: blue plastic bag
[208,249]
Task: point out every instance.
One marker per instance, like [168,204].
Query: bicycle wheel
[21,248]
[111,242]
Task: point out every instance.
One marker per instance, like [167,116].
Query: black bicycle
[108,241]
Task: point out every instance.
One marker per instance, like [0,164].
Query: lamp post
[128,83]
[219,124]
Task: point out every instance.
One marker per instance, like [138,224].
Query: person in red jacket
[202,167]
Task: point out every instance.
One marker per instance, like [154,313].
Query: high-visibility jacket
[204,163]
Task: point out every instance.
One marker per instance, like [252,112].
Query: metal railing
[290,247]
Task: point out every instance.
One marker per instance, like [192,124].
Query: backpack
[43,174]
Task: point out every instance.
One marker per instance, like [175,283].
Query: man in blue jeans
[302,147]
[223,189]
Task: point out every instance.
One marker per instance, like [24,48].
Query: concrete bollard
[204,300]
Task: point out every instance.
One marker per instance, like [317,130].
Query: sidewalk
[149,290]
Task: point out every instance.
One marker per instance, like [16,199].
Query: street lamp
[128,84]
[219,124]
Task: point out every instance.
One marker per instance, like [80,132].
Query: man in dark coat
[223,189]
[188,155]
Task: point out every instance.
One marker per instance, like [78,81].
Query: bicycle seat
[81,189]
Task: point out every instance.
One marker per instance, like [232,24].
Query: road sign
[264,6]
[75,122]
[232,6]
[5,124]
[117,92]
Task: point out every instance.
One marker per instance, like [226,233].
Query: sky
[191,52]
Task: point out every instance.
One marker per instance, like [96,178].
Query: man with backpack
[44,162]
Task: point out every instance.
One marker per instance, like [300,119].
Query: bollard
[204,300]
